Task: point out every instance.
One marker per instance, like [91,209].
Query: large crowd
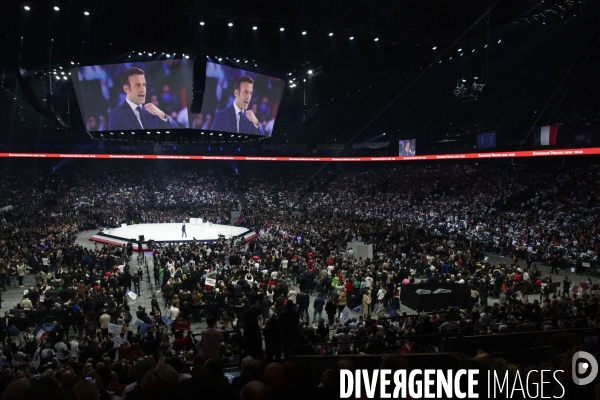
[75,324]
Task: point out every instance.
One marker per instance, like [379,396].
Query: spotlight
[464,80]
[434,48]
[230,24]
[376,39]
[254,28]
[281,29]
[289,73]
[27,8]
[461,54]
[351,37]
[220,58]
[220,134]
[112,133]
[65,78]
[290,81]
[485,47]
[304,33]
[168,55]
[122,133]
[72,63]
[56,8]
[187,57]
[140,54]
[310,71]
[211,133]
[450,58]
[148,133]
[330,33]
[499,40]
[86,13]
[473,51]
[202,23]
[459,49]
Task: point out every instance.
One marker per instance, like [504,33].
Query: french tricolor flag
[545,135]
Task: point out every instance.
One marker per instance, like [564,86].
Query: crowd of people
[75,324]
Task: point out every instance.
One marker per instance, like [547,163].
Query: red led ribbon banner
[464,156]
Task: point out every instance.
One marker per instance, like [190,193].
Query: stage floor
[170,233]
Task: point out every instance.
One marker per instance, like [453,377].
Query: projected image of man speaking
[133,113]
[237,118]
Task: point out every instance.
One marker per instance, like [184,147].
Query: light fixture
[459,49]
[434,48]
[254,28]
[202,23]
[376,39]
[304,33]
[72,63]
[351,37]
[202,133]
[220,58]
[330,33]
[310,71]
[473,51]
[187,57]
[290,81]
[86,13]
[464,80]
[140,54]
[211,133]
[485,47]
[230,24]
[281,29]
[65,78]
[133,133]
[499,40]
[56,8]
[122,133]
[168,132]
[450,58]
[148,133]
[112,133]
[461,54]
[62,72]
[27,8]
[168,55]
[220,134]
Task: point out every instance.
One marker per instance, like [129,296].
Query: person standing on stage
[183,230]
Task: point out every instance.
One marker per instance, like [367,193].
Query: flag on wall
[545,135]
[486,140]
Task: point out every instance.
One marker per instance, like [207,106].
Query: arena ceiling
[353,46]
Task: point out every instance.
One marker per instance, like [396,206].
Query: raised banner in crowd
[463,156]
[210,282]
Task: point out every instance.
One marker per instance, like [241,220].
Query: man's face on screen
[136,91]
[244,95]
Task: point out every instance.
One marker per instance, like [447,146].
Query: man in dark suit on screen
[133,113]
[237,118]
[406,150]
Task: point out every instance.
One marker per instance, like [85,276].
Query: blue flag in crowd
[167,320]
[48,326]
[358,309]
[14,331]
[144,327]
[392,311]
[486,140]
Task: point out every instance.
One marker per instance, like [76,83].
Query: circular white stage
[169,233]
